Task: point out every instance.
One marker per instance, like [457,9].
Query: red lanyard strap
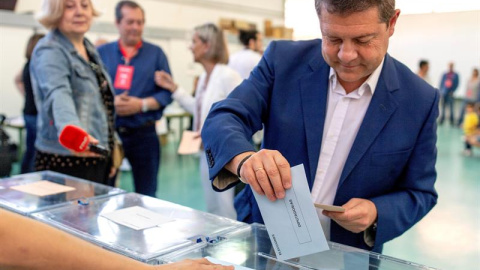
[125,54]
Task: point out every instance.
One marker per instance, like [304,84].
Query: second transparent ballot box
[138,226]
[251,247]
[33,192]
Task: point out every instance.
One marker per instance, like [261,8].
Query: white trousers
[218,203]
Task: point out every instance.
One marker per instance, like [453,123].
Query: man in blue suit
[362,123]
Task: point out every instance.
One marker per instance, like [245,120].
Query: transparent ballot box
[251,247]
[33,192]
[110,223]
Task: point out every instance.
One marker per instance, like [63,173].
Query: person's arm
[19,82]
[29,244]
[53,80]
[165,80]
[229,127]
[456,81]
[162,96]
[126,105]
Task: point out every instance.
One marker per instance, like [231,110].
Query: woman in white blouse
[216,82]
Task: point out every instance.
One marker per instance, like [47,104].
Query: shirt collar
[370,83]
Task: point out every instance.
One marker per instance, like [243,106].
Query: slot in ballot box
[32,192]
[122,224]
[251,247]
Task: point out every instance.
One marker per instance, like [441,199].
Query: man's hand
[165,80]
[199,264]
[358,216]
[126,105]
[266,171]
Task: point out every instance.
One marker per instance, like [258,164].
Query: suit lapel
[381,108]
[314,90]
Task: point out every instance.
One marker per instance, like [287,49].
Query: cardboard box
[226,24]
[241,25]
[288,33]
[277,32]
[268,30]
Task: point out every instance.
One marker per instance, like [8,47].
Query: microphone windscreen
[74,138]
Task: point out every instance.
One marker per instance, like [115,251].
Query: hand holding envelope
[292,223]
[266,171]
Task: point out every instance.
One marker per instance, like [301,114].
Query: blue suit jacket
[392,161]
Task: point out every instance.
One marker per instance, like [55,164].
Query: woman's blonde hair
[52,11]
[211,34]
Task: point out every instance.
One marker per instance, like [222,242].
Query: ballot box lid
[251,247]
[33,192]
[186,228]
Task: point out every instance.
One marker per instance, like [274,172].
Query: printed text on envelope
[296,217]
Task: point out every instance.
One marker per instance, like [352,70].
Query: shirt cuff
[178,93]
[224,179]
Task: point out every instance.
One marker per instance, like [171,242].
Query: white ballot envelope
[137,218]
[43,188]
[190,143]
[292,223]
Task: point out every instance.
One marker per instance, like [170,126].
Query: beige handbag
[117,153]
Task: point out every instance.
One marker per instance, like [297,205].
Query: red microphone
[77,139]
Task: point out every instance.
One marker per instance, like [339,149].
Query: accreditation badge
[123,77]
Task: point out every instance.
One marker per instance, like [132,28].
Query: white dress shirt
[244,61]
[345,114]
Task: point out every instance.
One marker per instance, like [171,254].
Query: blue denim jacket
[66,92]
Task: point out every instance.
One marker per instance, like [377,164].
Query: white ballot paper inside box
[136,217]
[292,223]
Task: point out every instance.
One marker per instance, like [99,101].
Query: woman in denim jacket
[71,87]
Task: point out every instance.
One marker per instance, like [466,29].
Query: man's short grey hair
[386,8]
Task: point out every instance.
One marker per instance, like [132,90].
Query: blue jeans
[28,161]
[448,100]
[142,149]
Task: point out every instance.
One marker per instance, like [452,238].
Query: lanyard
[125,54]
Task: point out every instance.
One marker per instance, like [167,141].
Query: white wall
[439,38]
[12,58]
[166,14]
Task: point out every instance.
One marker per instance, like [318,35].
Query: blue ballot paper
[292,223]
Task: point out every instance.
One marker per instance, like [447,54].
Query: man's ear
[393,22]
